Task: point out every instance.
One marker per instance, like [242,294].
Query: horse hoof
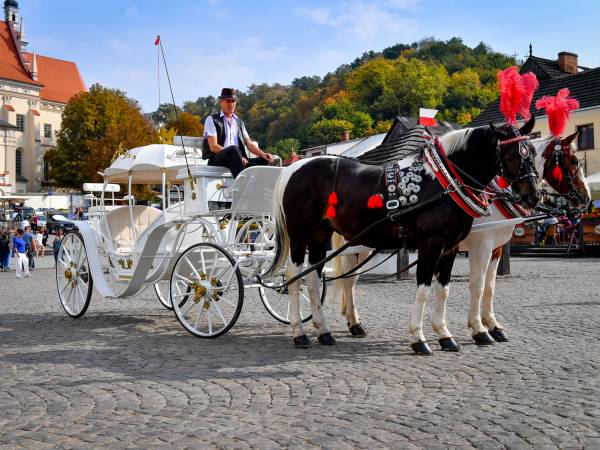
[358,330]
[302,341]
[449,345]
[421,348]
[483,338]
[498,334]
[326,339]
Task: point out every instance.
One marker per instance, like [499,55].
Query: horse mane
[456,140]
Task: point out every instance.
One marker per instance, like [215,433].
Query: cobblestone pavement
[127,374]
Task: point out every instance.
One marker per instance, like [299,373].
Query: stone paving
[126,375]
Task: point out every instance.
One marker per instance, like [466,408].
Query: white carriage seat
[121,229]
[253,190]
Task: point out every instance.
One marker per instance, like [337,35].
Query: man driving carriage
[226,140]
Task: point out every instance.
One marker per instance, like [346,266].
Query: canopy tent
[594,183]
[148,163]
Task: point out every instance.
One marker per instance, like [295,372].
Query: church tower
[11,12]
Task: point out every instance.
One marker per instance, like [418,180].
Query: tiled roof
[61,79]
[11,67]
[584,86]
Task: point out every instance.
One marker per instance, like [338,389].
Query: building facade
[34,90]
[583,84]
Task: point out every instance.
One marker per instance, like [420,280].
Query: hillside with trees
[364,96]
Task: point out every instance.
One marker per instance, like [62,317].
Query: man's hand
[268,157]
[245,162]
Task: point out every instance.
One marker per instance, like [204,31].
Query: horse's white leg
[354,323]
[300,338]
[438,320]
[416,318]
[488,317]
[479,258]
[313,284]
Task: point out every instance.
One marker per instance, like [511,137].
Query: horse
[561,167]
[319,196]
[485,247]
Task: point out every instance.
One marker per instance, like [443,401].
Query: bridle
[527,167]
[558,155]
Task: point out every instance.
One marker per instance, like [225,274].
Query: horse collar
[469,202]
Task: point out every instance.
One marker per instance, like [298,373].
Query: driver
[226,139]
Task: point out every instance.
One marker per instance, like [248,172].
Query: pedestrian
[30,250]
[21,255]
[38,238]
[11,234]
[5,249]
[45,236]
[56,244]
[24,224]
[34,223]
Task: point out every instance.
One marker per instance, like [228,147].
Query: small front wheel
[207,290]
[73,278]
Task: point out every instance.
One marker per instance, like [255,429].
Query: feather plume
[516,92]
[558,109]
[530,84]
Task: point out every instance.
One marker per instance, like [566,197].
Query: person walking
[56,244]
[30,250]
[5,249]
[44,236]
[21,255]
[11,234]
[38,238]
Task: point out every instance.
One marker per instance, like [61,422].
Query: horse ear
[526,129]
[570,138]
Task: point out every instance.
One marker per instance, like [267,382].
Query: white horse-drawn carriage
[199,251]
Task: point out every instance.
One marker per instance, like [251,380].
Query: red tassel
[502,183]
[330,212]
[332,200]
[557,173]
[375,201]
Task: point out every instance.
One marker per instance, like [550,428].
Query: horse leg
[479,258]
[316,252]
[428,258]
[489,319]
[439,322]
[300,338]
[355,325]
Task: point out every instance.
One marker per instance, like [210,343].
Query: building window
[20,122]
[47,130]
[585,138]
[19,162]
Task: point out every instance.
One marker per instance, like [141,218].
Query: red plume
[558,110]
[530,84]
[516,92]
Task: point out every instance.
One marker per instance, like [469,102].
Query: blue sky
[213,43]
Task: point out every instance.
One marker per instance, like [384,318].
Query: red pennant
[375,201]
[157,41]
[502,183]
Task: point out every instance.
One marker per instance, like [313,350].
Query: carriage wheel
[256,234]
[73,279]
[277,301]
[163,293]
[207,290]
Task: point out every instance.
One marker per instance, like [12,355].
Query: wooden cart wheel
[207,290]
[73,278]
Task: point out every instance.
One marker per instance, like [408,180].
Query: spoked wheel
[73,279]
[207,290]
[163,293]
[256,234]
[277,301]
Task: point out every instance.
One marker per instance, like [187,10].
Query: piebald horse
[303,200]
[485,246]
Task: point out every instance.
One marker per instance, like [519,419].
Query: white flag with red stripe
[427,117]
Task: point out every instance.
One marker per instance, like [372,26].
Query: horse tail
[282,239]
[339,292]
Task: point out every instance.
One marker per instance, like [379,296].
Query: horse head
[564,172]
[516,160]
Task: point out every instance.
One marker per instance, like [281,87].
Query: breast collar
[471,203]
[508,209]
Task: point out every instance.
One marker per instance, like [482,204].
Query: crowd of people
[19,248]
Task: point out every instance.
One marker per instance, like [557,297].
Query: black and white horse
[302,203]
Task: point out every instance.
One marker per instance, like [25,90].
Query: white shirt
[39,237]
[231,130]
[25,223]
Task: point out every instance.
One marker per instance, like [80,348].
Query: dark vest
[220,126]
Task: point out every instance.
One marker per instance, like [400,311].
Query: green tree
[164,113]
[95,124]
[202,107]
[327,131]
[285,147]
[188,125]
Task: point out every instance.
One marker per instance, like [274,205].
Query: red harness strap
[508,209]
[479,202]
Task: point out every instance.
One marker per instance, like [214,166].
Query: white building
[34,90]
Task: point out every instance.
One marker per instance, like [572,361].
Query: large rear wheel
[206,290]
[163,293]
[73,278]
